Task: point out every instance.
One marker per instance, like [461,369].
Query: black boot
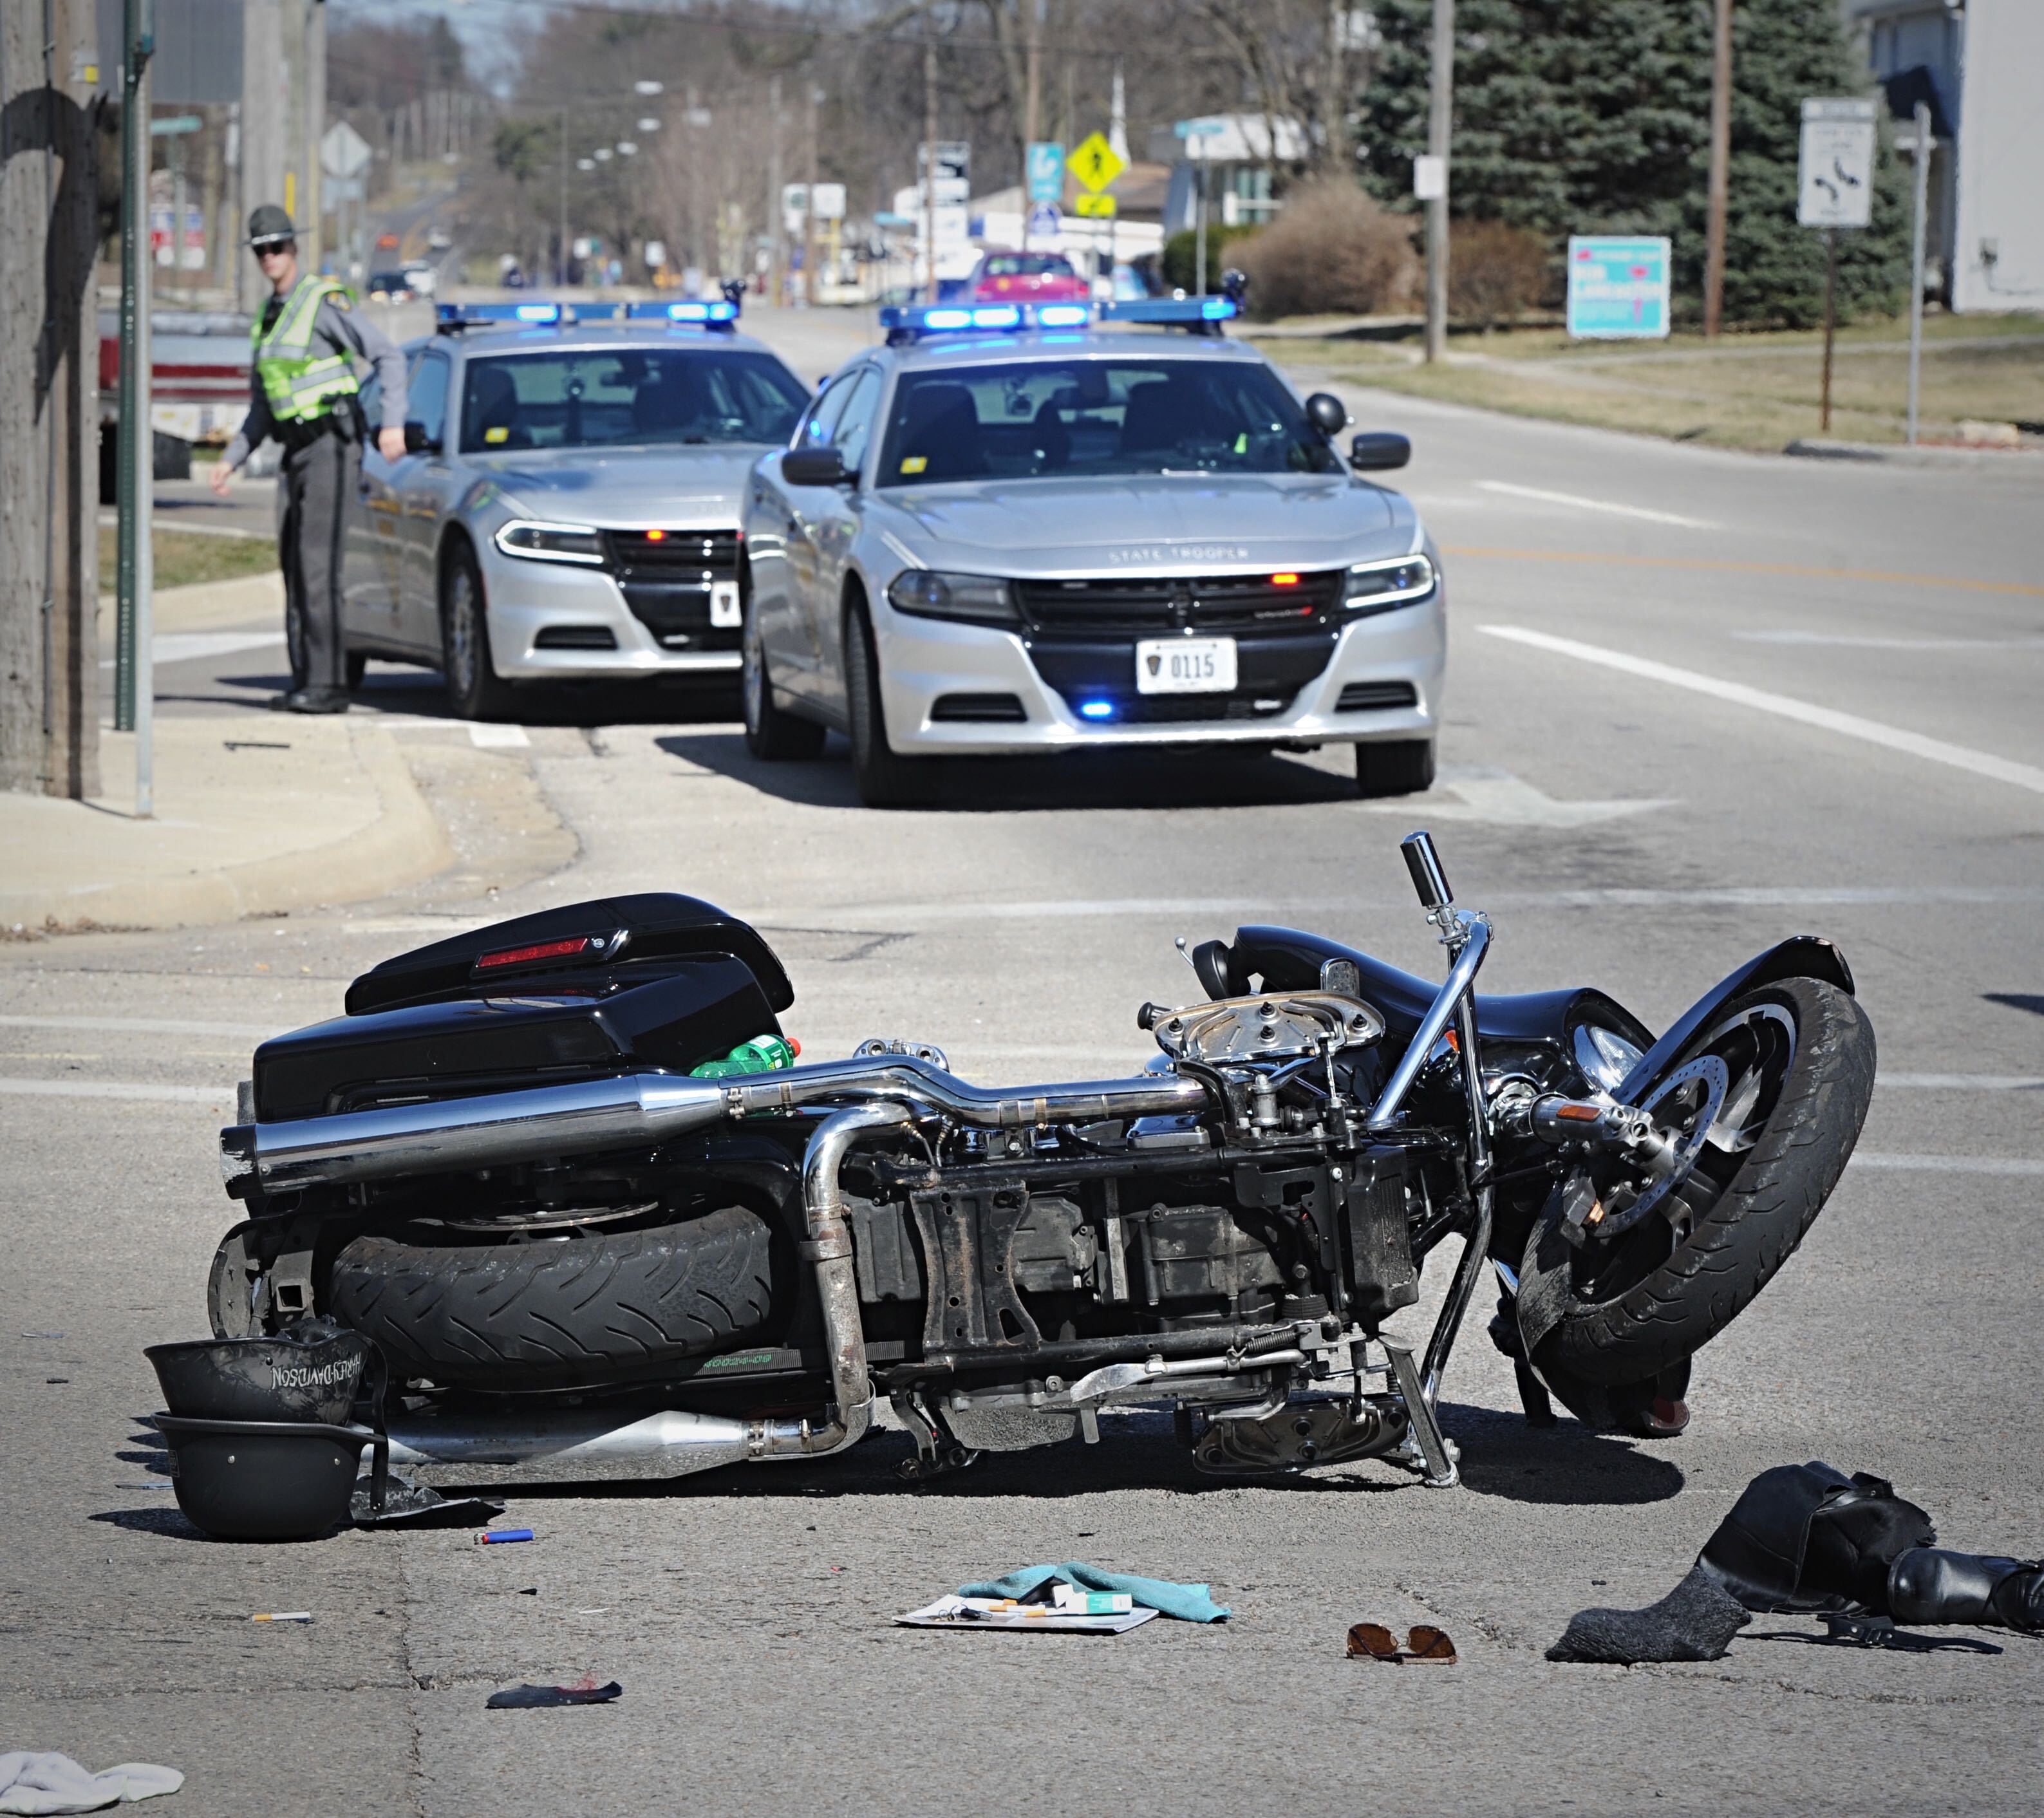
[1928,1584]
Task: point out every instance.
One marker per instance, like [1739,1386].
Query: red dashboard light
[544,950]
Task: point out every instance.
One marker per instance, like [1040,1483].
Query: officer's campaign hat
[269,225]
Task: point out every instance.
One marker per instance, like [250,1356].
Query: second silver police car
[1013,530]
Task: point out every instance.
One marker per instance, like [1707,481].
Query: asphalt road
[1697,702]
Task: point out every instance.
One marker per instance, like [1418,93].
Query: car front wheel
[474,691]
[884,780]
[770,734]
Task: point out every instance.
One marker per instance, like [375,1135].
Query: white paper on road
[984,1612]
[487,737]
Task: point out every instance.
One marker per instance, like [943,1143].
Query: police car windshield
[635,397]
[1026,420]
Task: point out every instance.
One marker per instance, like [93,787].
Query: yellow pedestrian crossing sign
[1094,162]
[1094,208]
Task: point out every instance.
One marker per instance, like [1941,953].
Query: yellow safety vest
[301,388]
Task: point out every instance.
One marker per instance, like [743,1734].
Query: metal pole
[134,676]
[929,158]
[561,251]
[1200,237]
[1830,318]
[1720,178]
[1440,114]
[1922,175]
[774,193]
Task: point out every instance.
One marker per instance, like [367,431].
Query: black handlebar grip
[1424,864]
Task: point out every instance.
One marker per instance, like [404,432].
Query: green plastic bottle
[763,1054]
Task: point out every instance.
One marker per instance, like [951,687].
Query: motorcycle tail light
[542,950]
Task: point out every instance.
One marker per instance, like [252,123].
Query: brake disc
[1688,1139]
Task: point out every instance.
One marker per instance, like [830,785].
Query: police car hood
[678,486]
[1159,523]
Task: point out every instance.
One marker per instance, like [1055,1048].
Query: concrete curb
[2015,460]
[205,606]
[403,845]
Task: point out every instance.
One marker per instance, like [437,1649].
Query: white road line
[141,1026]
[2018,1165]
[487,737]
[1846,641]
[115,1089]
[1604,504]
[1826,718]
[1961,1081]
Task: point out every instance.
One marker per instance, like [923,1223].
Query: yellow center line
[1699,562]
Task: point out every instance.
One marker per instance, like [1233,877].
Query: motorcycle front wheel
[1766,1104]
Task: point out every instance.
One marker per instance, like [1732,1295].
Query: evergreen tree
[1593,116]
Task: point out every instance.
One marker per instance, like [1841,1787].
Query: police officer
[303,392]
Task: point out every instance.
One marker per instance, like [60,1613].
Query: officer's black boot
[313,700]
[1928,1584]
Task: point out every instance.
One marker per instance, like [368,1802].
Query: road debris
[46,1783]
[538,1697]
[1424,1645]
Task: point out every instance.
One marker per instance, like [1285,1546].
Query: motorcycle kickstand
[937,1449]
[1436,1461]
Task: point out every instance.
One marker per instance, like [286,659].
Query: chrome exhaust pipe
[641,1110]
[564,1446]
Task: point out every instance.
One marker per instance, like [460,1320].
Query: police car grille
[673,554]
[1150,606]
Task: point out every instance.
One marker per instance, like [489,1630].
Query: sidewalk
[255,814]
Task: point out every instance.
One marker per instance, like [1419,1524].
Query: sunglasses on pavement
[1425,1645]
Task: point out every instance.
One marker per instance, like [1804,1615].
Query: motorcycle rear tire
[1739,1244]
[596,1309]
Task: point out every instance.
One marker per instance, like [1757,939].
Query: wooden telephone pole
[49,411]
[1720,179]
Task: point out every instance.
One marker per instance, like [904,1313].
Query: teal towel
[1188,1603]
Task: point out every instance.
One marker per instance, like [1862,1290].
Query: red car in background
[1026,278]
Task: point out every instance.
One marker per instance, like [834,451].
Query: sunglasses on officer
[267,248]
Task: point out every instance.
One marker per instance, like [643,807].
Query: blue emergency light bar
[532,315]
[907,321]
[1175,312]
[701,315]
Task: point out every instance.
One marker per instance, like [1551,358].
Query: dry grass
[1748,391]
[183,560]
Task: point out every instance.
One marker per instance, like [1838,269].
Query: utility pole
[1033,101]
[810,209]
[561,253]
[312,124]
[1922,174]
[1440,117]
[929,158]
[134,672]
[49,438]
[774,228]
[1339,160]
[1720,181]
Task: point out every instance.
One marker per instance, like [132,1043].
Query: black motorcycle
[534,1165]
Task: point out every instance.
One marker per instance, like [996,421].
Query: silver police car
[1017,527]
[569,506]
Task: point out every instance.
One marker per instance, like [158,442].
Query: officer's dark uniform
[303,394]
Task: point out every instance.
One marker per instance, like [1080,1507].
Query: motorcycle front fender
[1804,956]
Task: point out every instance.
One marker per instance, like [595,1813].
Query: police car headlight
[924,594]
[538,542]
[1372,586]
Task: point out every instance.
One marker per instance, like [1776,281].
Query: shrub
[1181,257]
[1331,251]
[1497,272]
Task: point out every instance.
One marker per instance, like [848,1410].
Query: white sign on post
[343,151]
[1430,178]
[827,202]
[1835,172]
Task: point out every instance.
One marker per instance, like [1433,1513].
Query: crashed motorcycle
[570,1176]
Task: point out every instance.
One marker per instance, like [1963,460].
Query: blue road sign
[1046,171]
[1617,288]
[1044,221]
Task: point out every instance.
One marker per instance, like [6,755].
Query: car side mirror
[418,442]
[814,467]
[1376,451]
[1326,413]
